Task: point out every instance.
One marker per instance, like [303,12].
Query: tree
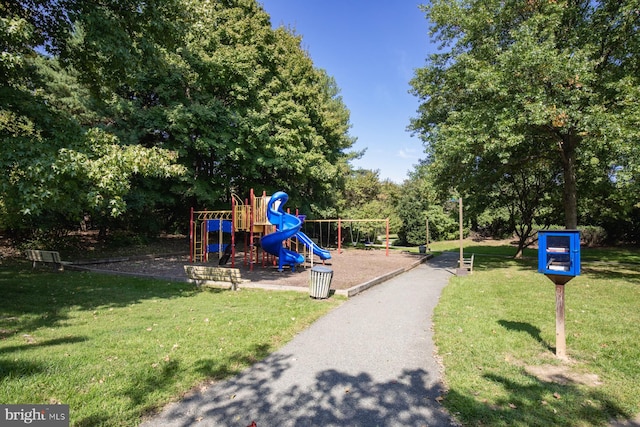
[55,168]
[366,197]
[242,104]
[522,192]
[210,86]
[559,78]
[421,201]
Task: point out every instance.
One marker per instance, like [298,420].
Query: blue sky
[371,48]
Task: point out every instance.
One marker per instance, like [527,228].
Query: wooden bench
[468,263]
[46,257]
[204,275]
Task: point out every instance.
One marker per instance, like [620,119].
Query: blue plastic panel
[214,247]
[214,225]
[559,252]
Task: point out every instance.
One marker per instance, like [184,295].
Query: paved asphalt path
[367,363]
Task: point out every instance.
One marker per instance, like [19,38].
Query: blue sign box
[559,252]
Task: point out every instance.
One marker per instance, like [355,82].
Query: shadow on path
[334,398]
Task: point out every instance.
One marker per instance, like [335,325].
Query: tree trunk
[520,250]
[570,202]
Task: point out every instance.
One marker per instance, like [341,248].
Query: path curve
[369,362]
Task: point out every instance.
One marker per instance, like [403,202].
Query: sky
[371,48]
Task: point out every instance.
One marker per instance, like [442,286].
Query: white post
[427,234]
[461,231]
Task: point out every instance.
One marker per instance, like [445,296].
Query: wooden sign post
[559,260]
[561,343]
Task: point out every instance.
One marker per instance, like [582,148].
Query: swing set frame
[341,221]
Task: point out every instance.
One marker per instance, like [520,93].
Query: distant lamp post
[461,236]
[425,248]
[427,233]
[461,270]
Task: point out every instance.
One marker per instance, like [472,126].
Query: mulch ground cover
[351,267]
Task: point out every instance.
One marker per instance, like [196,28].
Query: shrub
[592,235]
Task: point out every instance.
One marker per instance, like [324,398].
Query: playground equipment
[251,217]
[265,224]
[287,226]
[248,217]
[202,224]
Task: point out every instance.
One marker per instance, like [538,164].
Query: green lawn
[115,348]
[495,330]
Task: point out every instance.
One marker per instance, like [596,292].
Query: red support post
[191,225]
[251,219]
[233,231]
[205,239]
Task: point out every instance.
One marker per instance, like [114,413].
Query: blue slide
[304,239]
[287,226]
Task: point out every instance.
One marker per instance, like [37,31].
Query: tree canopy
[532,94]
[136,107]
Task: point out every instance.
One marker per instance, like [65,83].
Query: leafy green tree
[241,103]
[557,77]
[362,187]
[523,193]
[421,201]
[367,197]
[55,168]
[129,88]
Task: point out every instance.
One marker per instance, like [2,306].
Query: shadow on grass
[525,327]
[57,341]
[163,376]
[145,382]
[599,270]
[92,421]
[603,271]
[18,368]
[34,299]
[487,261]
[210,369]
[608,263]
[535,403]
[501,251]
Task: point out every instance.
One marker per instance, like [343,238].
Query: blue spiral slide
[287,226]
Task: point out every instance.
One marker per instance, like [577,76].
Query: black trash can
[422,249]
[320,282]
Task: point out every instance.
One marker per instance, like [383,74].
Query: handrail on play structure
[250,212]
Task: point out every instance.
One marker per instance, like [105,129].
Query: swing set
[342,223]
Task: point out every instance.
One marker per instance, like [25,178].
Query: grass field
[495,332]
[115,348]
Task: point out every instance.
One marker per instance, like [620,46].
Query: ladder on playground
[198,250]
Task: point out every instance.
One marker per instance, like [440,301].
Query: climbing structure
[205,226]
[264,224]
[248,217]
